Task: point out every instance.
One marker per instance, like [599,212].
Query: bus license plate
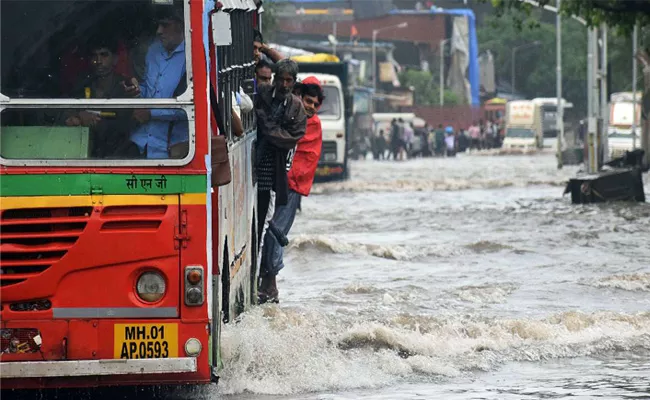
[145,341]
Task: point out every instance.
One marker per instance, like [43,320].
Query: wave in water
[275,350]
[429,185]
[632,282]
[329,244]
[488,293]
[486,246]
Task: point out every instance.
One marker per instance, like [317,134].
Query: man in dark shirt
[109,128]
[281,123]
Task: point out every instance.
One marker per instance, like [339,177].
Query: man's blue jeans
[272,251]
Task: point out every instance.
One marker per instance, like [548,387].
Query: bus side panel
[244,199]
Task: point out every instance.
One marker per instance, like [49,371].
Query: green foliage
[535,69]
[426,90]
[618,14]
[269,21]
[451,98]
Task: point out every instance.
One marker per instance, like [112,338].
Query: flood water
[468,277]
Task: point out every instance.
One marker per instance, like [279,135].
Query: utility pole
[374,48]
[635,36]
[334,41]
[592,43]
[597,99]
[374,59]
[560,105]
[512,61]
[604,96]
[442,71]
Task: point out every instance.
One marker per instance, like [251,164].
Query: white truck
[333,160]
[523,125]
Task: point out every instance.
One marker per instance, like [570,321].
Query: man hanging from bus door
[281,123]
[262,52]
[263,73]
[165,77]
[301,177]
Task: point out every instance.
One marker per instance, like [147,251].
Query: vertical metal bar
[591,123]
[512,72]
[603,97]
[635,37]
[560,105]
[334,42]
[441,82]
[228,89]
[374,60]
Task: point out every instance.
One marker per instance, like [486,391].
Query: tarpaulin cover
[473,74]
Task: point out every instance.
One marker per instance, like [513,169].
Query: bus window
[331,107]
[95,49]
[88,133]
[46,46]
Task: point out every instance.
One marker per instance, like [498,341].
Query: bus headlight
[151,286]
[194,285]
[193,347]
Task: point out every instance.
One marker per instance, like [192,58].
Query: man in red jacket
[301,178]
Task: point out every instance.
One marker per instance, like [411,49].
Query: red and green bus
[119,261]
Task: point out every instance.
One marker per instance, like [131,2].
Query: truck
[532,123]
[548,111]
[336,116]
[523,125]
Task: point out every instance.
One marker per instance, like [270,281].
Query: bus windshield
[331,108]
[520,133]
[78,50]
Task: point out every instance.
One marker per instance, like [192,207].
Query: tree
[535,72]
[618,14]
[535,66]
[426,91]
[270,20]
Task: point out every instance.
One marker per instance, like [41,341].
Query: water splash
[275,350]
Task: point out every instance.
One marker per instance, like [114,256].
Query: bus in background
[494,109]
[335,113]
[120,259]
[332,164]
[523,125]
[621,115]
[548,111]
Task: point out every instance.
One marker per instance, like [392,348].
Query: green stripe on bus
[85,184]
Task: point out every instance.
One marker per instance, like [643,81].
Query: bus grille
[328,152]
[33,239]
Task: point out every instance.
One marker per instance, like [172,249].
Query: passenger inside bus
[57,63]
[109,129]
[162,132]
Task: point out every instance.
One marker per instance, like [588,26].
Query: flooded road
[459,278]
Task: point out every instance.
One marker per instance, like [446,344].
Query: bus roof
[551,101]
[324,79]
[625,97]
